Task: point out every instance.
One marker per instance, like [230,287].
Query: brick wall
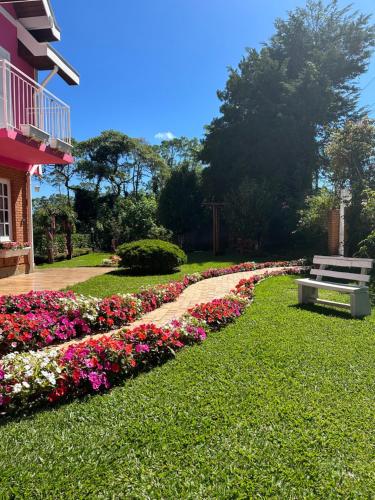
[334,232]
[20,228]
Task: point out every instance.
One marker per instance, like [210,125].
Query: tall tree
[180,202]
[180,151]
[119,163]
[351,163]
[277,102]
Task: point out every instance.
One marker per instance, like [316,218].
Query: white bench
[360,305]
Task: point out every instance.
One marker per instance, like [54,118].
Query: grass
[280,404]
[119,280]
[88,260]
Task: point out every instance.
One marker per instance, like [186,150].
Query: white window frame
[10,211]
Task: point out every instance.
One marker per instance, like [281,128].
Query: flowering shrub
[13,245]
[27,302]
[23,332]
[28,377]
[219,312]
[41,319]
[119,310]
[245,288]
[154,297]
[90,365]
[98,363]
[113,261]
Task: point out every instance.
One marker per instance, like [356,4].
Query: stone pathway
[49,279]
[203,291]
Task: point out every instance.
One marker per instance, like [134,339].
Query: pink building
[34,124]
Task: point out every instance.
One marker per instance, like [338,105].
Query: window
[5,211]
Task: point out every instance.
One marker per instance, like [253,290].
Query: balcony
[34,124]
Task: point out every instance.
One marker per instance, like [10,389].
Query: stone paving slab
[49,279]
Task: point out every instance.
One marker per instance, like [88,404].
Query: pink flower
[142,348]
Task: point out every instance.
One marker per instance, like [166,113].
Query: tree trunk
[51,231]
[69,241]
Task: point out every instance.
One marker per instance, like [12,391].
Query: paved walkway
[201,292]
[49,279]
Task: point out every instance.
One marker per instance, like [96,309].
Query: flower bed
[92,365]
[41,319]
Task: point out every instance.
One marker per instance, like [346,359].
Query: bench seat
[360,305]
[326,285]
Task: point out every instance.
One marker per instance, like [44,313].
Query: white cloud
[164,136]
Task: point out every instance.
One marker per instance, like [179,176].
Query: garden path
[201,292]
[49,279]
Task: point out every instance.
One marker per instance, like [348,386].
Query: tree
[120,163]
[180,151]
[50,216]
[351,160]
[180,202]
[278,101]
[63,176]
[248,212]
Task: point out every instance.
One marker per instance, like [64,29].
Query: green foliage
[123,163]
[122,219]
[53,216]
[366,248]
[180,202]
[351,151]
[279,100]
[153,256]
[278,405]
[314,216]
[80,241]
[248,211]
[180,151]
[368,206]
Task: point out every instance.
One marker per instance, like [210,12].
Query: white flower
[17,388]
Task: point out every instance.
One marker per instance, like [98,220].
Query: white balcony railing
[23,103]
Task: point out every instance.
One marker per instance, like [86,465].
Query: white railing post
[4,92]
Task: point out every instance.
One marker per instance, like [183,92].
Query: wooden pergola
[216,207]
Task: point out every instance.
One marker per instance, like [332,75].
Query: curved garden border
[93,365]
[42,319]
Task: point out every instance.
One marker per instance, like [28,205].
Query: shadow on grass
[325,311]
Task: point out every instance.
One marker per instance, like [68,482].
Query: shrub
[366,248]
[151,256]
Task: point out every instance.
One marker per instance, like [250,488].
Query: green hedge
[151,256]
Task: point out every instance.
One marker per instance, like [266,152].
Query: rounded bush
[151,256]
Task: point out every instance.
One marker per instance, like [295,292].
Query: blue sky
[154,66]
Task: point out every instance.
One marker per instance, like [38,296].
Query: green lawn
[280,404]
[88,260]
[119,281]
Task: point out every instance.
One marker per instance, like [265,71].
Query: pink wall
[8,40]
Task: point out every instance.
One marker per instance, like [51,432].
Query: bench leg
[360,305]
[306,294]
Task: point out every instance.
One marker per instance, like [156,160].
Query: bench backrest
[365,265]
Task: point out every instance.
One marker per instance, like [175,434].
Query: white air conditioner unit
[60,145]
[34,133]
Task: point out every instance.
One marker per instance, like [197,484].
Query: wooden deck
[49,279]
